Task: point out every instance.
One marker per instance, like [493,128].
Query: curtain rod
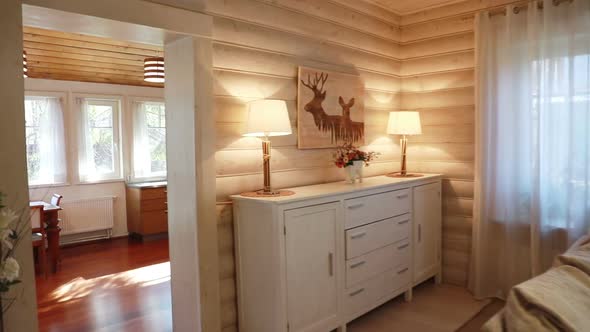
[518,8]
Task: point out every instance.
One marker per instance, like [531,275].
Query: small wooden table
[50,217]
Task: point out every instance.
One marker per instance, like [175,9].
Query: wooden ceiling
[402,7]
[75,57]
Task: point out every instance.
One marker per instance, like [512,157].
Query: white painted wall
[75,190]
[22,316]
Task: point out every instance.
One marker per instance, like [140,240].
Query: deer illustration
[340,127]
[351,131]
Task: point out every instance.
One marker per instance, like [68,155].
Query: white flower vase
[354,172]
[358,169]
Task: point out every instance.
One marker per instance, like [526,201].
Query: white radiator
[87,215]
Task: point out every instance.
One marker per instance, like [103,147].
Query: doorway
[156,267]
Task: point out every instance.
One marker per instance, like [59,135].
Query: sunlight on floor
[142,277]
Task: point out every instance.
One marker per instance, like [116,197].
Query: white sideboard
[318,259]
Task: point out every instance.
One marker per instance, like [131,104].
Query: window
[44,127]
[99,155]
[149,140]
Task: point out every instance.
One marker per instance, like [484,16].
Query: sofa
[557,300]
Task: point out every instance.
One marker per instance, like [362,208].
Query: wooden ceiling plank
[38,64]
[78,78]
[74,50]
[87,38]
[90,45]
[81,57]
[83,63]
[79,73]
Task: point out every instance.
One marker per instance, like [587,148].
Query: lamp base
[273,193]
[407,175]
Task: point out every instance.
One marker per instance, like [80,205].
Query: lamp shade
[153,70]
[268,117]
[404,123]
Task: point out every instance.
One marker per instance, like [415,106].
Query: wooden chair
[39,237]
[56,199]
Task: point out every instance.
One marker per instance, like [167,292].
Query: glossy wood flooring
[117,285]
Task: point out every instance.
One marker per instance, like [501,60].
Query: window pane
[156,122]
[34,110]
[102,131]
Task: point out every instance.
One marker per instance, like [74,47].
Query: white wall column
[22,316]
[190,119]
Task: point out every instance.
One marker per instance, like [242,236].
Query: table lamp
[267,118]
[404,123]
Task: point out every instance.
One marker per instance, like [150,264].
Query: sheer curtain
[532,194]
[141,147]
[52,158]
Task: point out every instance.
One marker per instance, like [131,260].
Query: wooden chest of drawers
[147,213]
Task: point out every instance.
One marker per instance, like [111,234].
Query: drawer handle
[356,206]
[403,222]
[165,203]
[402,271]
[400,196]
[355,265]
[166,211]
[165,191]
[331,264]
[403,246]
[357,292]
[358,235]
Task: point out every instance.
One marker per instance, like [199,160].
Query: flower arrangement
[346,154]
[10,229]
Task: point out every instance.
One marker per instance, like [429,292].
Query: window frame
[107,100]
[131,177]
[62,97]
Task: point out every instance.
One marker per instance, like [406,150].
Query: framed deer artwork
[330,109]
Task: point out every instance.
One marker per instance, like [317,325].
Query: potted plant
[352,160]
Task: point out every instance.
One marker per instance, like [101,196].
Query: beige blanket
[557,300]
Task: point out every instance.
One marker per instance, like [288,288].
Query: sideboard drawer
[361,297]
[364,239]
[363,210]
[376,262]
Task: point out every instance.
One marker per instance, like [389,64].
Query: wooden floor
[124,286]
[116,285]
[435,308]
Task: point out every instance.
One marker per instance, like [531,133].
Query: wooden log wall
[258,46]
[423,61]
[438,79]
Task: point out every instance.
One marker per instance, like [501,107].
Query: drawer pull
[331,264]
[403,246]
[166,211]
[358,235]
[400,196]
[165,191]
[402,271]
[355,265]
[403,222]
[356,206]
[357,292]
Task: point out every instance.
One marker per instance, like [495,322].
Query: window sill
[53,185]
[83,183]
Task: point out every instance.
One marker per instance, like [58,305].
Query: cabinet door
[427,231]
[312,285]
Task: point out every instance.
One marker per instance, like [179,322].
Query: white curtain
[141,148]
[532,190]
[52,157]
